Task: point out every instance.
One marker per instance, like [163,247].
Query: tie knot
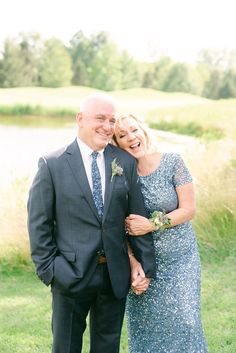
[94,155]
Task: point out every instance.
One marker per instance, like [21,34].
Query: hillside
[138,100]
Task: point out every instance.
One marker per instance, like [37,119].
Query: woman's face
[131,138]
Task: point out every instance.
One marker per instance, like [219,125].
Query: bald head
[98,103]
[96,120]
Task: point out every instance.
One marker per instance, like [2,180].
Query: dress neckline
[155,170]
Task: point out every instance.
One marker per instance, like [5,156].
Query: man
[77,206]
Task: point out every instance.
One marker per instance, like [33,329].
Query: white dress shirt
[86,152]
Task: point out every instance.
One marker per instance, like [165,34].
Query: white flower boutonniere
[116,169]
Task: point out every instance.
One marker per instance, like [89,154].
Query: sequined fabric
[166,318]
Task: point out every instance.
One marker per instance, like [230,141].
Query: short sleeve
[181,173]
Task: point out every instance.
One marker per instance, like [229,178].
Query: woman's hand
[138,225]
[139,283]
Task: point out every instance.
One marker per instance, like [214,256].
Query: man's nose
[108,126]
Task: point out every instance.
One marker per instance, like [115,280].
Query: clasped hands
[139,283]
[138,225]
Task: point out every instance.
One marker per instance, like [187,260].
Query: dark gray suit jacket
[64,227]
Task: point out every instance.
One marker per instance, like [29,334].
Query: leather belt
[102,259]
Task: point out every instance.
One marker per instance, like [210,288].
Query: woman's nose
[131,136]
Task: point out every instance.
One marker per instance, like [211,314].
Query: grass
[38,110]
[71,96]
[25,322]
[25,305]
[37,106]
[177,112]
[211,120]
[46,97]
[191,128]
[46,121]
[27,115]
[211,113]
[219,306]
[25,315]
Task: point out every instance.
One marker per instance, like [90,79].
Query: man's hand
[137,272]
[139,283]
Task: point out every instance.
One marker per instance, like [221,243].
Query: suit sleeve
[142,246]
[41,222]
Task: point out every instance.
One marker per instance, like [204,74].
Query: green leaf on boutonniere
[116,169]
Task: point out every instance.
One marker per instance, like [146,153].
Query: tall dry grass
[214,172]
[14,244]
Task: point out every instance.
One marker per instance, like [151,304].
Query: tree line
[96,61]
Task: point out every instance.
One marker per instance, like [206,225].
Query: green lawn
[25,306]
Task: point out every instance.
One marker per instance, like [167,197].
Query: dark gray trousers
[106,317]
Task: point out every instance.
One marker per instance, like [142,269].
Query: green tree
[147,77]
[228,86]
[2,74]
[104,65]
[160,71]
[96,61]
[180,78]
[20,60]
[154,73]
[203,73]
[129,71]
[218,59]
[213,85]
[55,65]
[82,55]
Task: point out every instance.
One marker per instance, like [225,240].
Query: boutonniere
[116,169]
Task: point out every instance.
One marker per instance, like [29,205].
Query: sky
[147,29]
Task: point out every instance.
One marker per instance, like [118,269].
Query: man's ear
[78,117]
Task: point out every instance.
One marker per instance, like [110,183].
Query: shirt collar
[85,150]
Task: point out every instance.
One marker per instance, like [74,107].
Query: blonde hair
[139,121]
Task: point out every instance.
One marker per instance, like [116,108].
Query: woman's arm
[186,209]
[138,225]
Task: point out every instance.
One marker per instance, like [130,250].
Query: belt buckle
[102,259]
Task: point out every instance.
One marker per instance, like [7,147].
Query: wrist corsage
[160,220]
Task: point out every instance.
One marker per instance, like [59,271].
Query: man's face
[96,124]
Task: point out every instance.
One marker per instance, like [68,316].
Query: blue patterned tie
[97,185]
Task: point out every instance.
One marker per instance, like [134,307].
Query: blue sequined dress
[166,318]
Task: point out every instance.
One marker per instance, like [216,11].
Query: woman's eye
[121,136]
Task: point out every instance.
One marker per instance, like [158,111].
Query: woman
[166,317]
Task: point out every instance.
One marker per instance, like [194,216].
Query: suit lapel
[109,156]
[76,164]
